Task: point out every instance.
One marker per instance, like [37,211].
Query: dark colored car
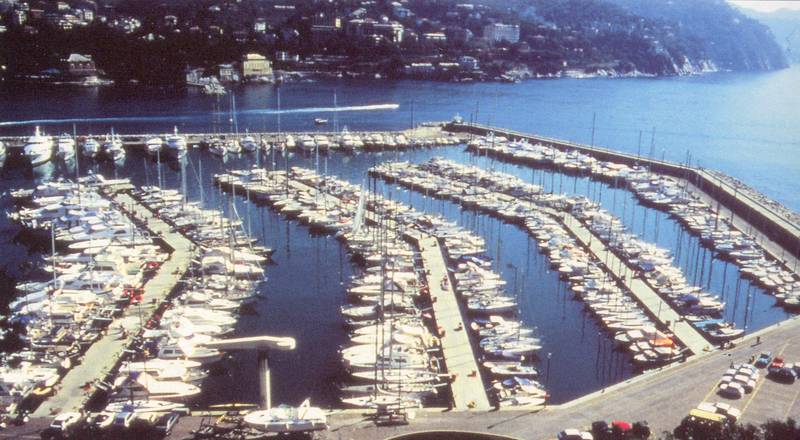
[783,375]
[166,422]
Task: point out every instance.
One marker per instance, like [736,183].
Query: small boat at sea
[320,121]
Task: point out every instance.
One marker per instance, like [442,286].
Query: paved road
[662,398]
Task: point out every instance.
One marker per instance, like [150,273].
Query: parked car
[784,375]
[776,364]
[731,390]
[723,408]
[763,359]
[575,434]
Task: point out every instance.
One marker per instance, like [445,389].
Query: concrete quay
[76,387]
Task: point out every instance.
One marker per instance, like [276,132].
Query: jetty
[465,377]
[465,383]
[778,229]
[656,306]
[99,361]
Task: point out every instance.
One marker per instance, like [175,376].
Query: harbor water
[307,283]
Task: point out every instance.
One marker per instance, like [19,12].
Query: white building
[497,32]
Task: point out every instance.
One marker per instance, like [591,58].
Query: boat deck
[98,361]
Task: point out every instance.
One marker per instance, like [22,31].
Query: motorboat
[217,148]
[38,148]
[91,148]
[249,144]
[176,144]
[65,147]
[113,148]
[154,145]
[143,384]
[287,419]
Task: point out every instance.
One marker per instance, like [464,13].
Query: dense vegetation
[610,37]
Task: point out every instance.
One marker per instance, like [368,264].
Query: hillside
[785,25]
[652,37]
[728,38]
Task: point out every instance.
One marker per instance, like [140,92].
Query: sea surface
[746,125]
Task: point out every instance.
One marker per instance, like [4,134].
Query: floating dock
[77,386]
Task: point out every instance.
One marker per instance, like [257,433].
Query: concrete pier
[656,307]
[778,230]
[76,387]
[466,382]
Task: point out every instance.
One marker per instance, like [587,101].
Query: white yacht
[91,148]
[154,145]
[176,144]
[233,146]
[113,148]
[39,148]
[65,147]
[249,144]
[285,419]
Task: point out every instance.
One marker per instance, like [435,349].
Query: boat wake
[160,118]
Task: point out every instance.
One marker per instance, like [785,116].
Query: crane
[261,344]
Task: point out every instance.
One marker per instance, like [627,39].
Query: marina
[422,275]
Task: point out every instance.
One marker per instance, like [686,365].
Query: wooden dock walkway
[656,306]
[99,360]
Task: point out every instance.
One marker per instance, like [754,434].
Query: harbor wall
[766,220]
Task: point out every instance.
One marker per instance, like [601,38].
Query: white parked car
[575,434]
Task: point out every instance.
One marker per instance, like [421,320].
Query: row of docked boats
[41,148]
[351,141]
[701,308]
[172,357]
[99,259]
[609,302]
[507,346]
[391,358]
[702,219]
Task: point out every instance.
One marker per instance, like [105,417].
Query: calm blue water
[743,124]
